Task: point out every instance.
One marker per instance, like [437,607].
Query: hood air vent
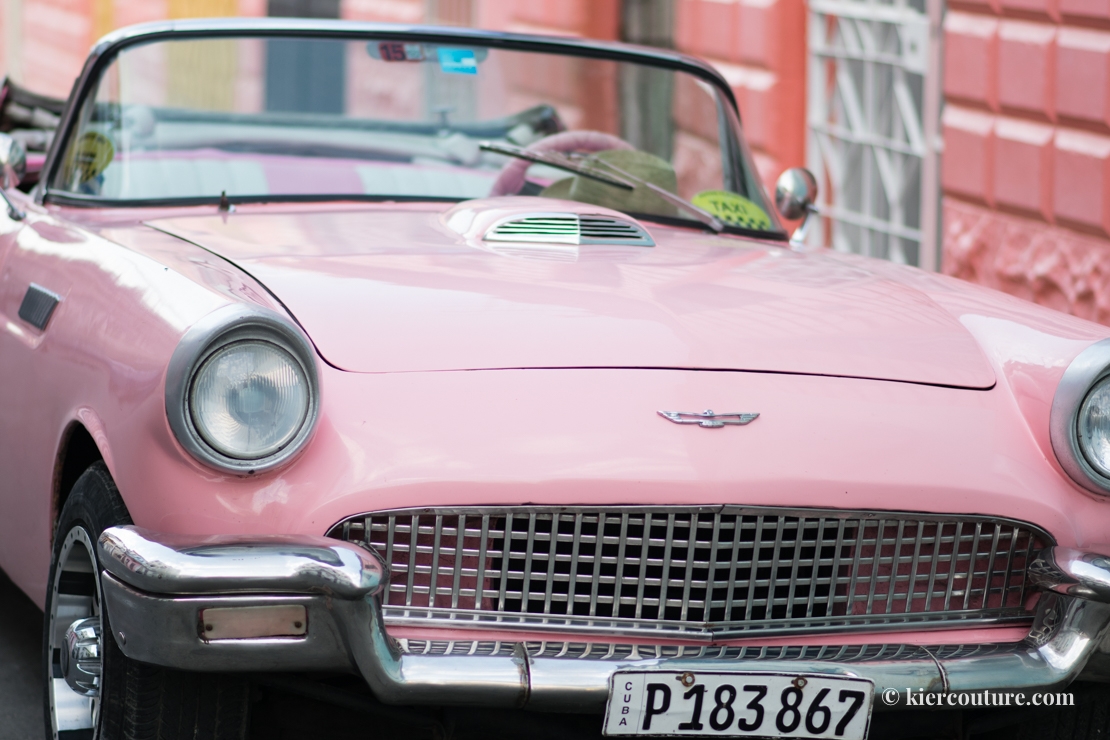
[570,228]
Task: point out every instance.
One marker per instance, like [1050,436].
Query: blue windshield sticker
[457,61]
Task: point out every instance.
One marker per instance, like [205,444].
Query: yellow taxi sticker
[733,209]
[92,153]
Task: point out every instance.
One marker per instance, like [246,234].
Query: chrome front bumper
[156,587]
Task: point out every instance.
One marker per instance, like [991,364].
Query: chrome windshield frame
[106,49]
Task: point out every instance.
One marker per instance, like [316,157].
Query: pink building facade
[1025,171]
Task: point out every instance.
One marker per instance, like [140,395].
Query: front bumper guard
[156,586]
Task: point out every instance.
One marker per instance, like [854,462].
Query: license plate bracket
[673,703]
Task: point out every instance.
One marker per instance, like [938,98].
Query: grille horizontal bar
[698,571]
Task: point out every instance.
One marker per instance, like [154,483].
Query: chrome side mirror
[795,194]
[13,166]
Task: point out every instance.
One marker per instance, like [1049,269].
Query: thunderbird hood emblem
[707,418]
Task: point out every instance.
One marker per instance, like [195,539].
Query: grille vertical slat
[858,550]
[753,574]
[915,568]
[712,570]
[970,588]
[595,582]
[991,562]
[642,561]
[821,568]
[688,567]
[504,582]
[895,567]
[953,562]
[410,559]
[1009,564]
[835,572]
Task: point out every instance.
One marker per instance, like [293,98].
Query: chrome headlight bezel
[1086,371]
[214,332]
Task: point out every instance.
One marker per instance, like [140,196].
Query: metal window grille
[873,117]
[688,571]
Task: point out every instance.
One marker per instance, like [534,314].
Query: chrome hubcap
[74,636]
[80,656]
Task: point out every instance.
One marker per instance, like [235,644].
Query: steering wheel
[511,178]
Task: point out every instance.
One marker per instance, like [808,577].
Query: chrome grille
[710,571]
[569,228]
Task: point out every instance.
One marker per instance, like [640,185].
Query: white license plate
[672,703]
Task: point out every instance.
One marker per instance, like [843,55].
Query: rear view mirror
[795,194]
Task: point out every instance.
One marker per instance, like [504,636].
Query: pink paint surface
[430,427]
[365,283]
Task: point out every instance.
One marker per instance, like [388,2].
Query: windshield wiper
[558,161]
[700,214]
[621,180]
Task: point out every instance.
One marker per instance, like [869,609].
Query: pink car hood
[405,288]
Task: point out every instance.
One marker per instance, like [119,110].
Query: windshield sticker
[395,51]
[450,58]
[457,61]
[92,153]
[733,209]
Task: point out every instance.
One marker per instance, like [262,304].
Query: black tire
[136,701]
[1086,718]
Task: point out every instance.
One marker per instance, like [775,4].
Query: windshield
[316,118]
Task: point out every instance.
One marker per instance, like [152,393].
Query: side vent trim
[569,228]
[38,306]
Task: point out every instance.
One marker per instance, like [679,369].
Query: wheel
[95,691]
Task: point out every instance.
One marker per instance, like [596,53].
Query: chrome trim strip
[1089,367]
[346,630]
[569,228]
[169,564]
[706,509]
[548,228]
[223,326]
[462,619]
[605,651]
[631,570]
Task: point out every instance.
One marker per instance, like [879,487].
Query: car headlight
[241,390]
[1093,426]
[1080,419]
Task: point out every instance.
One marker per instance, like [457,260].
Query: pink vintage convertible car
[373,364]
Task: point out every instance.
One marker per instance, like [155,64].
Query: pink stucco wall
[759,47]
[1026,168]
[56,36]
